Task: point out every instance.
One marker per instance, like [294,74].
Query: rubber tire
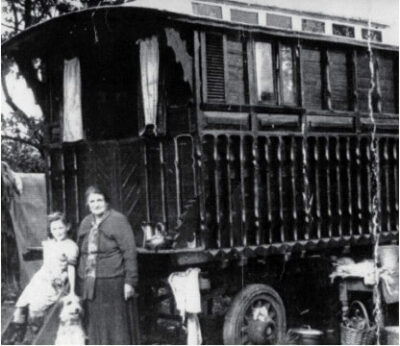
[239,305]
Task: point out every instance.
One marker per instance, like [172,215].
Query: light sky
[381,11]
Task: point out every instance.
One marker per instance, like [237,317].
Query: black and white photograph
[200,172]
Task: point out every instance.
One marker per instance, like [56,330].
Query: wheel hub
[261,326]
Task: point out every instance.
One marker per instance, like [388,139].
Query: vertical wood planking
[369,188]
[300,96]
[164,197]
[327,88]
[339,186]
[348,179]
[243,191]
[358,179]
[306,188]
[217,172]
[268,185]
[328,187]
[354,87]
[203,223]
[178,179]
[279,155]
[378,87]
[49,174]
[194,168]
[230,161]
[64,197]
[293,183]
[317,188]
[396,182]
[76,187]
[146,181]
[386,167]
[256,187]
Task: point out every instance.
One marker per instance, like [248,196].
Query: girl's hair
[56,216]
[97,190]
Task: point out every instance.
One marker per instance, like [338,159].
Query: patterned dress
[47,284]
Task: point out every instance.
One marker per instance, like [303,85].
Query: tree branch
[22,140]
[15,13]
[16,30]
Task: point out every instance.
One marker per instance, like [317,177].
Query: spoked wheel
[256,317]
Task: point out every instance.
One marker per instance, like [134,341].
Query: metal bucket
[388,256]
[308,336]
[391,335]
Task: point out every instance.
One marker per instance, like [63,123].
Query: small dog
[70,331]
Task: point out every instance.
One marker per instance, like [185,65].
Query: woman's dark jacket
[117,254]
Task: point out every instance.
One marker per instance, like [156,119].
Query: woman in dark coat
[107,271]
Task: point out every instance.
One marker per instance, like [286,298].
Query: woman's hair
[97,190]
[56,216]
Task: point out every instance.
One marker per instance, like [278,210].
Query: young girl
[58,270]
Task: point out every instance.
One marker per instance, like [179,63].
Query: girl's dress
[47,284]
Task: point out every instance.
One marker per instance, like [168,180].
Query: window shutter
[215,68]
[363,80]
[311,65]
[235,90]
[387,83]
[339,74]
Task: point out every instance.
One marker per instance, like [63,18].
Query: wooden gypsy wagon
[242,134]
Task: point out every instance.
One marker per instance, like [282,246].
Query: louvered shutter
[215,68]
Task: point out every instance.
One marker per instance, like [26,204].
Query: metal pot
[307,336]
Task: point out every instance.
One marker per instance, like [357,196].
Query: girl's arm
[71,278]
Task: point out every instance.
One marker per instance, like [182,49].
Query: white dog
[70,331]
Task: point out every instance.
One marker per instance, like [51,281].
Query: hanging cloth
[186,289]
[178,45]
[72,107]
[149,69]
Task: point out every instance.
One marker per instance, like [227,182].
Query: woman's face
[58,230]
[97,204]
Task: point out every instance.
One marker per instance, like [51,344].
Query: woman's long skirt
[106,316]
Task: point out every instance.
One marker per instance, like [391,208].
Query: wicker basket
[353,336]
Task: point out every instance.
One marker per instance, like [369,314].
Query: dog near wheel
[70,330]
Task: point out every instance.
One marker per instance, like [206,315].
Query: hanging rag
[390,285]
[149,69]
[186,289]
[178,45]
[364,270]
[72,105]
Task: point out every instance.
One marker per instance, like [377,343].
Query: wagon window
[264,72]
[287,75]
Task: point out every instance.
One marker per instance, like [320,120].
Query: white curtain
[149,67]
[72,107]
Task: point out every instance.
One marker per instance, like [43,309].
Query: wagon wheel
[256,316]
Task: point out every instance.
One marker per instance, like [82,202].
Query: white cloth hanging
[186,289]
[72,106]
[149,68]
[193,330]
